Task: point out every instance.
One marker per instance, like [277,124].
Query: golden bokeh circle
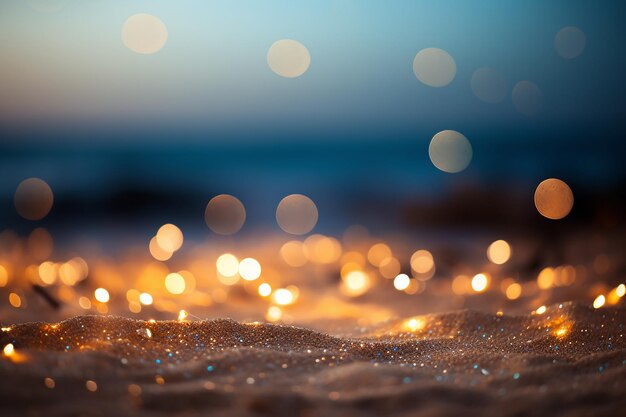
[554,199]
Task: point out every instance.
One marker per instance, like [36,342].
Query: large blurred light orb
[288,58]
[157,252]
[225,214]
[489,85]
[480,282]
[554,199]
[227,265]
[249,269]
[527,97]
[293,253]
[144,34]
[169,238]
[434,67]
[422,261]
[499,252]
[450,151]
[33,199]
[175,283]
[401,282]
[296,214]
[570,42]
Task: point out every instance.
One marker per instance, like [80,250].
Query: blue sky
[71,68]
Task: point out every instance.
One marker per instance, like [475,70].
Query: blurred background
[125,139]
[129,138]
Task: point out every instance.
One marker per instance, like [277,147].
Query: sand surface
[569,361]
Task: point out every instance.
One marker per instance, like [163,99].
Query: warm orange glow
[293,254]
[541,310]
[355,283]
[273,314]
[157,252]
[390,267]
[480,282]
[461,284]
[249,269]
[513,291]
[545,279]
[422,261]
[321,249]
[175,283]
[15,300]
[599,301]
[169,238]
[378,253]
[101,295]
[265,289]
[414,324]
[4,276]
[283,297]
[554,199]
[401,282]
[227,265]
[499,252]
[9,350]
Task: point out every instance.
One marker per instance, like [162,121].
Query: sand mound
[571,360]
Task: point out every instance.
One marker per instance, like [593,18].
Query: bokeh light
[227,265]
[293,253]
[144,34]
[288,58]
[499,252]
[434,67]
[265,290]
[378,253]
[599,301]
[570,42]
[169,237]
[422,262]
[157,252]
[33,199]
[355,283]
[283,297]
[175,283]
[554,199]
[225,214]
[513,291]
[480,282]
[4,276]
[249,269]
[296,214]
[450,151]
[102,295]
[401,282]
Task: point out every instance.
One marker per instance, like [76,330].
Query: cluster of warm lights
[611,298]
[360,270]
[169,239]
